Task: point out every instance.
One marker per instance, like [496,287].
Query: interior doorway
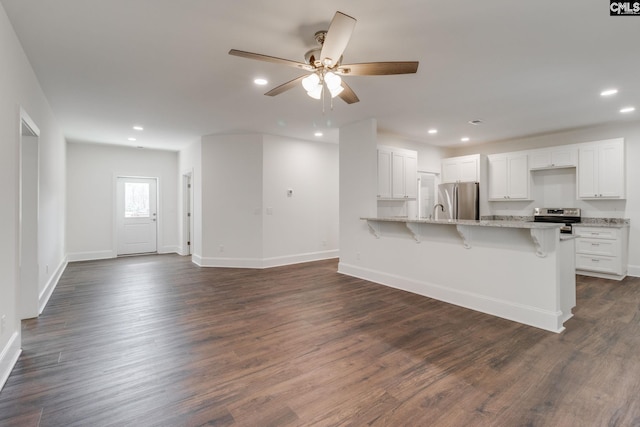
[137,215]
[28,290]
[187,223]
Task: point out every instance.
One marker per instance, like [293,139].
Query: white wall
[20,88]
[560,188]
[231,192]
[304,225]
[91,174]
[358,188]
[429,156]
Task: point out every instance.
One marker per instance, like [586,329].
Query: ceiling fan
[325,66]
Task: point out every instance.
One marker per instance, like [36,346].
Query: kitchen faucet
[433,214]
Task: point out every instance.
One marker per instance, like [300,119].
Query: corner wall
[358,188]
[301,226]
[247,218]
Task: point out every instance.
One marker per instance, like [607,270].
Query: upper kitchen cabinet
[461,169]
[397,173]
[601,170]
[551,158]
[384,173]
[508,177]
[404,182]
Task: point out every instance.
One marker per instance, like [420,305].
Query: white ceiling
[522,67]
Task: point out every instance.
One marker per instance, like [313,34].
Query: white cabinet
[601,251]
[550,158]
[397,173]
[508,177]
[601,170]
[404,181]
[461,169]
[384,173]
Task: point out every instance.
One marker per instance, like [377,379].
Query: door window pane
[136,200]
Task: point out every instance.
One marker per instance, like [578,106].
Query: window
[136,200]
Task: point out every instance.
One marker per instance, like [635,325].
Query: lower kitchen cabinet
[602,251]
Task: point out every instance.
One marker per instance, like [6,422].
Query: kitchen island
[521,271]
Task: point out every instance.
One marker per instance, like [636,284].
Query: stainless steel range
[566,216]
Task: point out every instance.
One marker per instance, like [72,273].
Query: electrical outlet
[324,243]
[221,248]
[357,255]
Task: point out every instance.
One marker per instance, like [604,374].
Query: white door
[136,211]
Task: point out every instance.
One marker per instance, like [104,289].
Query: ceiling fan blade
[337,38]
[271,59]
[347,94]
[378,68]
[286,86]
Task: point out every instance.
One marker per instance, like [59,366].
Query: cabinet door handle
[595,260]
[595,244]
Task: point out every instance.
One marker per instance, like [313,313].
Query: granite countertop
[585,222]
[481,223]
[605,222]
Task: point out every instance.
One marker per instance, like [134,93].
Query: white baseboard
[90,256]
[227,262]
[96,255]
[260,263]
[633,270]
[299,258]
[44,296]
[9,357]
[533,316]
[169,250]
[183,251]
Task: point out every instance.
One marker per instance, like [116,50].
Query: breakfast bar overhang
[521,271]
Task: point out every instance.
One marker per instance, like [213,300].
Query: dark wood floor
[157,341]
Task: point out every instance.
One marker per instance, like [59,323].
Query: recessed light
[608,92]
[433,131]
[318,134]
[260,81]
[131,139]
[138,128]
[464,139]
[627,109]
[475,122]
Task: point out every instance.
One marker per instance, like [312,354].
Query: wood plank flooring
[157,341]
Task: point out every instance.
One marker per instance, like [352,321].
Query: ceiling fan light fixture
[333,81]
[316,92]
[310,82]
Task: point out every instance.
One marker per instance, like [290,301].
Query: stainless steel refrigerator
[460,200]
